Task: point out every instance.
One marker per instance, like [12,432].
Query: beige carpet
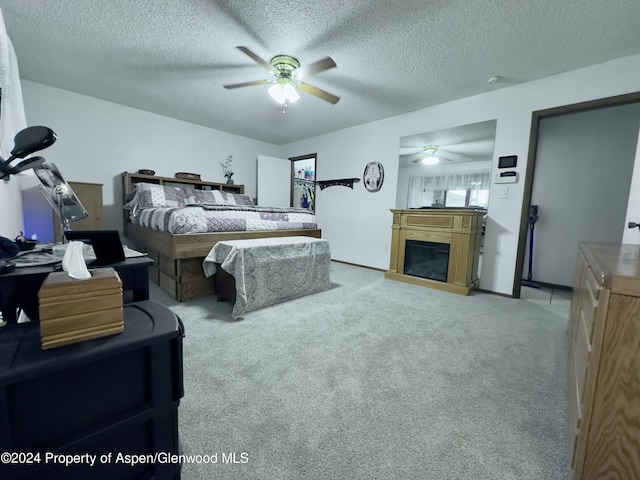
[376,379]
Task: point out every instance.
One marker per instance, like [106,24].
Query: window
[479,198]
[456,198]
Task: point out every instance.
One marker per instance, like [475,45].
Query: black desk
[19,289]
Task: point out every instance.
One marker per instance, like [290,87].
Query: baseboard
[481,290]
[551,285]
[361,266]
[491,292]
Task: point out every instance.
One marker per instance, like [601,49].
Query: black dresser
[111,401]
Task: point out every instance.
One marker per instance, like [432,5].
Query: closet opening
[303,182]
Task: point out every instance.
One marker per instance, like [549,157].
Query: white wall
[358,223]
[98,140]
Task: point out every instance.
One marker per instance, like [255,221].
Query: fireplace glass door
[426,259]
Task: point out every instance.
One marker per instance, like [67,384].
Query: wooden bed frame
[178,258]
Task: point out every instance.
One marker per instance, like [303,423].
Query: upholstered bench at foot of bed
[268,270]
[225,285]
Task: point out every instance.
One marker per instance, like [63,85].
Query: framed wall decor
[373,176]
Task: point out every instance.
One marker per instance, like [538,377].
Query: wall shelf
[303,181]
[343,182]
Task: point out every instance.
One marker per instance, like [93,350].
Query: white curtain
[462,180]
[475,180]
[12,120]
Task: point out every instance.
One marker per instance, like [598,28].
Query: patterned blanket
[271,270]
[223,218]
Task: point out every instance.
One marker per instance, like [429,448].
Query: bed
[171,220]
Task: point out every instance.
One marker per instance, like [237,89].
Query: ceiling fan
[287,74]
[454,152]
[427,155]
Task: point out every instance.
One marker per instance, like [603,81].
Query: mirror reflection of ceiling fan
[287,80]
[454,153]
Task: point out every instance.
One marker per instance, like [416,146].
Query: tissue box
[74,310]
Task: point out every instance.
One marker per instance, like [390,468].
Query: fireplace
[426,259]
[436,248]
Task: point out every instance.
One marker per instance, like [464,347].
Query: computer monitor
[106,244]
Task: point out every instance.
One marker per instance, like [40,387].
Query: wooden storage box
[74,310]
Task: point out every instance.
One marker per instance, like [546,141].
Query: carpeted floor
[375,379]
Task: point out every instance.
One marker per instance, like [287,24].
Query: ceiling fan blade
[471,147]
[316,92]
[313,68]
[415,158]
[263,63]
[411,150]
[247,84]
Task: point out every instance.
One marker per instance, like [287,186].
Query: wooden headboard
[130,180]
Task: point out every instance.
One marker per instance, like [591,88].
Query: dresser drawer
[593,285]
[581,351]
[575,415]
[574,408]
[589,301]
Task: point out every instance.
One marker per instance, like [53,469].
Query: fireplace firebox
[426,259]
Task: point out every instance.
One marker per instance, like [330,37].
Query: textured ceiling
[172,57]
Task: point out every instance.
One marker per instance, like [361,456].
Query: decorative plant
[227,168]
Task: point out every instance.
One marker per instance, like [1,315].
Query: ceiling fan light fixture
[429,152]
[277,93]
[283,92]
[291,93]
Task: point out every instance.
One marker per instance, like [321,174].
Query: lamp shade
[282,92]
[277,93]
[291,93]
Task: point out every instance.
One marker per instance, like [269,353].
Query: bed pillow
[190,196]
[150,195]
[228,198]
[207,197]
[212,197]
[130,200]
[241,199]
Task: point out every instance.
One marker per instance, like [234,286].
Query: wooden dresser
[604,363]
[90,195]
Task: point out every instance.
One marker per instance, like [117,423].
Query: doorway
[303,182]
[552,168]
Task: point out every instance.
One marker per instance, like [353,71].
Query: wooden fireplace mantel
[461,228]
